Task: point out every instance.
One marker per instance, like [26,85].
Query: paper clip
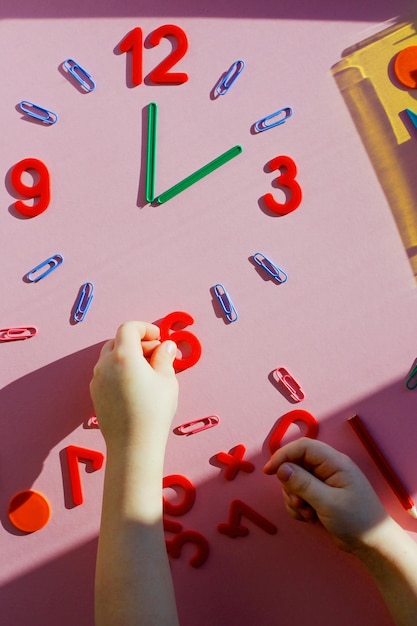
[227,81]
[294,389]
[273,270]
[83,302]
[51,264]
[17,333]
[206,422]
[226,303]
[411,382]
[262,125]
[48,117]
[80,74]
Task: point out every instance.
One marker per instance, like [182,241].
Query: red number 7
[74,454]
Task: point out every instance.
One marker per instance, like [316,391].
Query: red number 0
[287,180]
[160,74]
[40,189]
[181,336]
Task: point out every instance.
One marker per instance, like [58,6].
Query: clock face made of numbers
[36,196]
[157,258]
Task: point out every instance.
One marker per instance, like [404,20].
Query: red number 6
[40,189]
[287,180]
[181,336]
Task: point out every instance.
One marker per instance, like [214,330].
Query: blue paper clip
[262,125]
[48,117]
[83,302]
[273,270]
[225,302]
[411,382]
[51,264]
[80,74]
[227,81]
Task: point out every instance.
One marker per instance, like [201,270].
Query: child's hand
[134,388]
[318,481]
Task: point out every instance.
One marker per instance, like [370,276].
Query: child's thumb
[163,357]
[297,480]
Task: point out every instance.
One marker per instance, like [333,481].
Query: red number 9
[40,189]
[287,180]
[181,336]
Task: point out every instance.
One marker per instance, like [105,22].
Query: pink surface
[342,324]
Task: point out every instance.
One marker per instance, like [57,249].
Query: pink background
[343,323]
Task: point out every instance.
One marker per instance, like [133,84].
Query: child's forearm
[390,556]
[133,576]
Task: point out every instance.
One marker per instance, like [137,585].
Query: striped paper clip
[39,113]
[227,81]
[80,74]
[273,270]
[83,302]
[50,264]
[294,389]
[282,116]
[191,428]
[225,302]
[17,333]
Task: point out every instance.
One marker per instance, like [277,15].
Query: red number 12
[133,42]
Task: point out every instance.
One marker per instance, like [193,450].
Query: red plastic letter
[181,336]
[233,528]
[40,189]
[286,180]
[74,454]
[298,415]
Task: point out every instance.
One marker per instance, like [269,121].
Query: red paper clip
[16,334]
[206,422]
[283,376]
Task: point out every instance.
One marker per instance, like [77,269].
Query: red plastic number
[298,415]
[74,454]
[187,502]
[40,189]
[174,546]
[233,527]
[286,180]
[234,462]
[181,336]
[161,74]
[133,42]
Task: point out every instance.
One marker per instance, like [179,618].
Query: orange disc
[405,67]
[29,511]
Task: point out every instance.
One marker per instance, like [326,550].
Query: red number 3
[181,336]
[286,180]
[40,189]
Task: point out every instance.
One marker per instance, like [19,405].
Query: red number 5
[286,180]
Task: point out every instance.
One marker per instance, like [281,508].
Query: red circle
[29,511]
[405,67]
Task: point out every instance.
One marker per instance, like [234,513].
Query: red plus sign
[234,462]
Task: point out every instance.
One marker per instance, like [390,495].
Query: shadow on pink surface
[37,412]
[376,10]
[262,578]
